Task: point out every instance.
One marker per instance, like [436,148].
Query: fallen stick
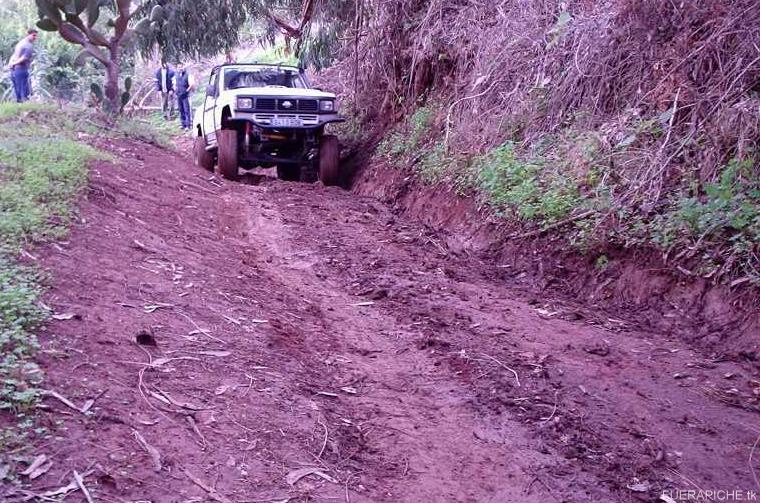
[204,189]
[324,443]
[517,378]
[542,230]
[751,466]
[38,461]
[210,490]
[554,411]
[231,319]
[152,451]
[80,483]
[205,332]
[183,405]
[68,403]
[197,431]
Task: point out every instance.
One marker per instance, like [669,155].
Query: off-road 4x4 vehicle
[260,115]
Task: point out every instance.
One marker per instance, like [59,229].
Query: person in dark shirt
[165,85]
[185,85]
[19,64]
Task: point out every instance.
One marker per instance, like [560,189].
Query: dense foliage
[56,73]
[311,29]
[105,30]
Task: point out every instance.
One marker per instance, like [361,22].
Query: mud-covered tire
[289,173]
[202,157]
[329,160]
[228,153]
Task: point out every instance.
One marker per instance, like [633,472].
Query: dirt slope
[301,327]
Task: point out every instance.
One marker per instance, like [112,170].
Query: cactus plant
[96,92]
[76,20]
[126,95]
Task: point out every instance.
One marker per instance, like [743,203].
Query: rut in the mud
[311,346]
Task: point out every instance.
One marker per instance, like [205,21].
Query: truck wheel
[202,157]
[288,172]
[228,153]
[329,159]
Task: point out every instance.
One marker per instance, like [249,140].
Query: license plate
[286,122]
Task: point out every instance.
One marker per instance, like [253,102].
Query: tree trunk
[112,80]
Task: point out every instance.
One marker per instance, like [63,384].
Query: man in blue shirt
[19,64]
[185,85]
[165,86]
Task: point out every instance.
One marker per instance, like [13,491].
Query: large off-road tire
[202,157]
[329,159]
[289,172]
[228,153]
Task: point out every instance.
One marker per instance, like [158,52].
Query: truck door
[209,108]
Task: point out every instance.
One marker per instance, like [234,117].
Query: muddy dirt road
[287,342]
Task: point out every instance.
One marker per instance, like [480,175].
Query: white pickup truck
[263,115]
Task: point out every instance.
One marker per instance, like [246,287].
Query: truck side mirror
[211,90]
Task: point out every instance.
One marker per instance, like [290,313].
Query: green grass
[42,172]
[151,128]
[10,110]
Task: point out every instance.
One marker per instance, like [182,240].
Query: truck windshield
[237,78]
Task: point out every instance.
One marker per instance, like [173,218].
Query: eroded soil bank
[638,285]
[286,342]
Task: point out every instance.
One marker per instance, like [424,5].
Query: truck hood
[282,91]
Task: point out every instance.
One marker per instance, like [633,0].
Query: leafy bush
[435,163]
[409,136]
[719,224]
[525,186]
[731,204]
[19,315]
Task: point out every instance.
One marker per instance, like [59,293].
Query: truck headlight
[245,103]
[327,105]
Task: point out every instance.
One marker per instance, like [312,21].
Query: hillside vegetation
[631,123]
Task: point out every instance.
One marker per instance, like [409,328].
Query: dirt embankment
[612,117]
[638,286]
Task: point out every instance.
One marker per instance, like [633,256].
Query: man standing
[19,64]
[165,85]
[185,85]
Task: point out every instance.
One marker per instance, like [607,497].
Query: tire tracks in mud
[600,410]
[309,328]
[390,412]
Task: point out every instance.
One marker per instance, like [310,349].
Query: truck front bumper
[279,120]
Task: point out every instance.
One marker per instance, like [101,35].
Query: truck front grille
[296,105]
[265,104]
[308,105]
